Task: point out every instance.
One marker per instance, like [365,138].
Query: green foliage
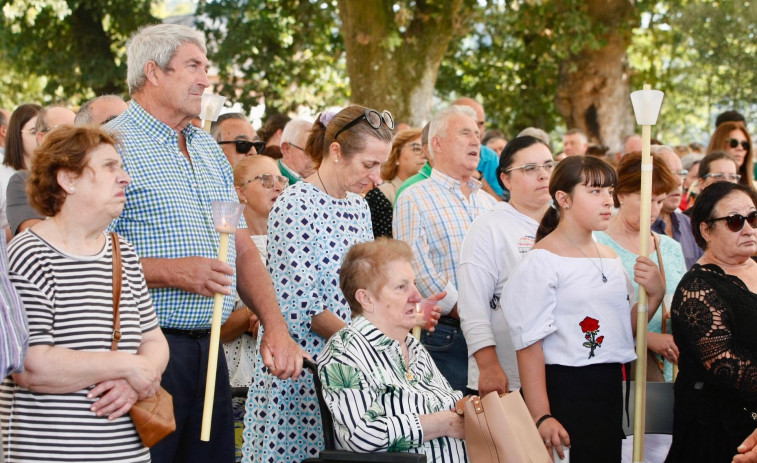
[339,376]
[78,45]
[511,59]
[702,54]
[400,444]
[289,52]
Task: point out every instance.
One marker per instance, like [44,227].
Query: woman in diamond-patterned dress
[311,227]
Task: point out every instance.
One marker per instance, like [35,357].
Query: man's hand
[280,353]
[199,275]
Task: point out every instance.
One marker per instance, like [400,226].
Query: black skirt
[588,402]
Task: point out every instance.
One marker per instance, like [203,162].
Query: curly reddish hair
[65,148]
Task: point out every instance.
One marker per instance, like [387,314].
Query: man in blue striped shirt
[432,216]
[177,170]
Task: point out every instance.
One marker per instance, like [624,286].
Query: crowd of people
[351,223]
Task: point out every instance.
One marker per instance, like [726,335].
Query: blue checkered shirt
[433,216]
[167,212]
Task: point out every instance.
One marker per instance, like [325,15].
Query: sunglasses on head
[734,143]
[373,117]
[735,222]
[243,146]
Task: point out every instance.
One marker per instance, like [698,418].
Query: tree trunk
[393,63]
[594,89]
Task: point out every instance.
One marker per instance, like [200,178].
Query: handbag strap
[116,251]
[662,272]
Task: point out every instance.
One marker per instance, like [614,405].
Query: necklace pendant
[409,376]
[604,278]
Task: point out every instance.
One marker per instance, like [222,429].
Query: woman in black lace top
[714,316]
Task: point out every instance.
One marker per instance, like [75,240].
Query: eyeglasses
[416,147]
[532,169]
[735,222]
[734,143]
[681,173]
[295,146]
[31,131]
[268,180]
[720,177]
[373,117]
[243,146]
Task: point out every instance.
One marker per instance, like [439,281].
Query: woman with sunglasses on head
[571,317]
[714,325]
[311,227]
[258,183]
[733,138]
[405,160]
[494,244]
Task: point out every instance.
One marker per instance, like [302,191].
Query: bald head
[671,159]
[5,116]
[52,117]
[100,110]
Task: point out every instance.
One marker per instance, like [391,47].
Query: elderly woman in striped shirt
[381,385]
[71,403]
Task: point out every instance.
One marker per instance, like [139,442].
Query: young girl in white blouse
[569,305]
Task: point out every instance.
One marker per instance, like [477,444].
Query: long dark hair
[572,171]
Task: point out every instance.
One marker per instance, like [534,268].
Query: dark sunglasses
[373,117]
[736,222]
[734,143]
[243,146]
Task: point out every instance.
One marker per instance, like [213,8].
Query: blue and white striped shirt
[167,212]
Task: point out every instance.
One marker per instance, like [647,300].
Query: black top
[381,213]
[714,319]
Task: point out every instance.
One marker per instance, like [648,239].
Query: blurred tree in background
[554,64]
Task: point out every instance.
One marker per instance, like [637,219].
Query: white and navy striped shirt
[376,399]
[69,303]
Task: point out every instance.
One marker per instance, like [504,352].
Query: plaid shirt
[167,212]
[432,216]
[14,332]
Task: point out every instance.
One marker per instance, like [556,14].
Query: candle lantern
[225,219]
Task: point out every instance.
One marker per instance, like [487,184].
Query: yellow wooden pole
[215,341]
[643,305]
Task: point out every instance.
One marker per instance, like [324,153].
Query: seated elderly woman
[71,402]
[381,385]
[714,325]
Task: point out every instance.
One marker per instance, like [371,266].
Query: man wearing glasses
[295,164]
[235,135]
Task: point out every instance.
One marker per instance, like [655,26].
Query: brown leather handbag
[499,429]
[153,417]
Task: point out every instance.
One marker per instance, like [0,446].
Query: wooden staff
[643,109]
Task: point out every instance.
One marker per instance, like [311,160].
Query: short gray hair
[293,128]
[84,115]
[659,149]
[156,43]
[215,127]
[440,122]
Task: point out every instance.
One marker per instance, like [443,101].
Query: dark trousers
[449,350]
[185,378]
[588,402]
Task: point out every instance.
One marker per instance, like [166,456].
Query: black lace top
[714,320]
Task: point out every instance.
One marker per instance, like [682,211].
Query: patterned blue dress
[308,234]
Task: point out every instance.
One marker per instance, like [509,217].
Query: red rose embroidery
[590,328]
[589,324]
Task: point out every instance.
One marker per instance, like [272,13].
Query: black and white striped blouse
[68,300]
[376,399]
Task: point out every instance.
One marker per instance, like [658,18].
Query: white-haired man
[177,170]
[432,216]
[295,164]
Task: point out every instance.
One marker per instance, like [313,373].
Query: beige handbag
[499,429]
